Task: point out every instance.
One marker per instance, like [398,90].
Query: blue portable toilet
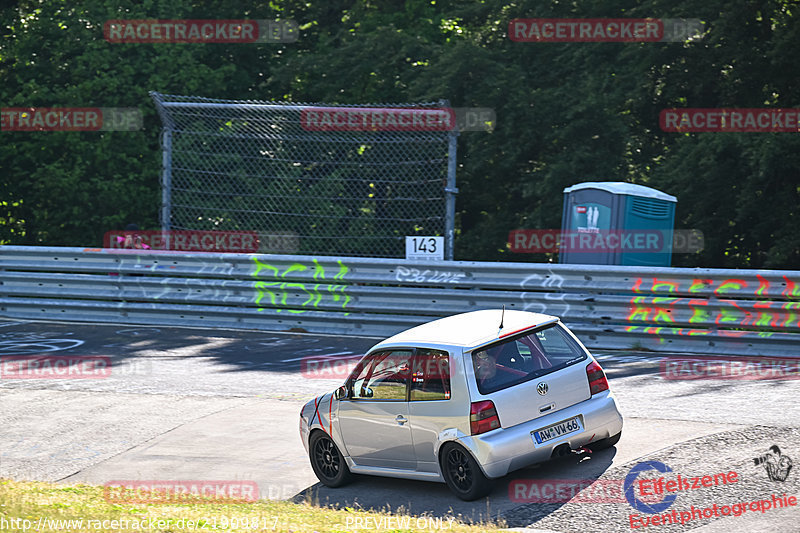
[634,222]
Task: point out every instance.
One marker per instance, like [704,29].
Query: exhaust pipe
[561,450]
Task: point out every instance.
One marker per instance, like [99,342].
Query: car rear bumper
[507,449]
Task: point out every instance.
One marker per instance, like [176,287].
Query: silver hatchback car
[463,400]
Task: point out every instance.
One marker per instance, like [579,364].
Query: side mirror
[340,393]
[368,393]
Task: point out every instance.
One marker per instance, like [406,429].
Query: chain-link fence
[310,179]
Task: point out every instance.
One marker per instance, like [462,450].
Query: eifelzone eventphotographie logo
[775,463]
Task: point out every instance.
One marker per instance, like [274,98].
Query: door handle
[400,419]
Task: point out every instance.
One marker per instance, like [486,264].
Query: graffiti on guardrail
[661,311]
[551,303]
[279,288]
[415,275]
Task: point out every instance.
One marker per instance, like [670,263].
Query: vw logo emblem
[542,388]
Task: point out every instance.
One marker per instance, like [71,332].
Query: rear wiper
[540,372]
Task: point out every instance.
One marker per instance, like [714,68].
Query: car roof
[469,330]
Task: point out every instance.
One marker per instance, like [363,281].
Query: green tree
[566,112]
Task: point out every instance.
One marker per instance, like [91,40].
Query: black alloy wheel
[327,462]
[462,473]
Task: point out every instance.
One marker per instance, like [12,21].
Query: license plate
[573,425]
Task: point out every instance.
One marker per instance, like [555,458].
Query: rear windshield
[523,358]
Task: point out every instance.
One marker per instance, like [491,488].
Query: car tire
[605,443]
[327,461]
[462,474]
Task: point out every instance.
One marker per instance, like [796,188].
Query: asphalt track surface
[189,404]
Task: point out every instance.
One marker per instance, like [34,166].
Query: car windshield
[525,357]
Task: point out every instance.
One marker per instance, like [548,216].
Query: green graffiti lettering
[342,271]
[763,285]
[638,312]
[699,315]
[699,284]
[764,319]
[790,316]
[261,289]
[317,295]
[662,315]
[297,267]
[791,290]
[319,272]
[729,285]
[672,286]
[726,315]
[278,287]
[260,266]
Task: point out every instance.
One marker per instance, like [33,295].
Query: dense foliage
[566,112]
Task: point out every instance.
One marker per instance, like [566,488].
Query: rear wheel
[327,462]
[462,473]
[605,443]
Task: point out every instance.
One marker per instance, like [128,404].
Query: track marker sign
[420,248]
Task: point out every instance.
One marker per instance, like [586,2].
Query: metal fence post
[451,190]
[166,180]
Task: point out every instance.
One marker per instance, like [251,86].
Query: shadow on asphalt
[418,498]
[237,350]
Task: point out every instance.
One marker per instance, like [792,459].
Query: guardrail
[747,312]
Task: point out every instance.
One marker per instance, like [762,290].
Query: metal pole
[166,180]
[450,190]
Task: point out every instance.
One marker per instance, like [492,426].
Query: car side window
[430,376]
[383,377]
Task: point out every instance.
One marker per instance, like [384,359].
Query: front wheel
[327,462]
[462,473]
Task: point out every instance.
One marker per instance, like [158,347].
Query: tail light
[597,378]
[483,417]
